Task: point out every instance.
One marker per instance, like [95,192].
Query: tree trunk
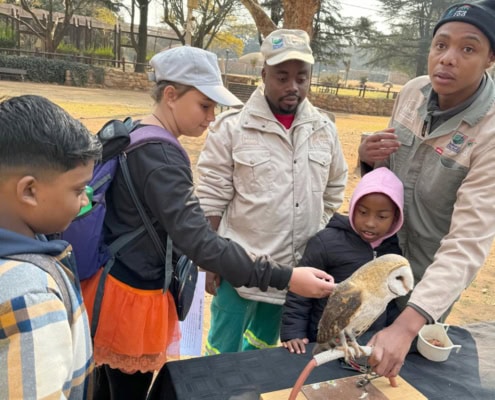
[142,37]
[263,22]
[300,14]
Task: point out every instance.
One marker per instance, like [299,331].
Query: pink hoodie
[380,180]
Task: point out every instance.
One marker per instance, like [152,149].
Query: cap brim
[290,55]
[221,95]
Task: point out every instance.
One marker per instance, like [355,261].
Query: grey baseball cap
[194,67]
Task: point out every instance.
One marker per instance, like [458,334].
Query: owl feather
[359,300]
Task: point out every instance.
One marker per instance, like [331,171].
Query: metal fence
[362,91]
[125,65]
[129,66]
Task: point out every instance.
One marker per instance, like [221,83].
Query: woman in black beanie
[441,143]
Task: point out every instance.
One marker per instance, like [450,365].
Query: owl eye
[400,278]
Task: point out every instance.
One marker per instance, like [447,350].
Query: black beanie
[479,13]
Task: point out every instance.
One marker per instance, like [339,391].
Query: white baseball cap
[287,44]
[193,67]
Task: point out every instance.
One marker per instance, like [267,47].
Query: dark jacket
[163,180]
[338,250]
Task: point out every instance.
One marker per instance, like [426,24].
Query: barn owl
[359,300]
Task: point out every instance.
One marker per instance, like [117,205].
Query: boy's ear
[26,190]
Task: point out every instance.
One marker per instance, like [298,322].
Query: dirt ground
[95,106]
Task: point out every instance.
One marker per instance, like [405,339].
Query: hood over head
[380,180]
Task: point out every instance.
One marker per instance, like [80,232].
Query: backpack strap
[113,248]
[165,255]
[49,265]
[153,133]
[139,137]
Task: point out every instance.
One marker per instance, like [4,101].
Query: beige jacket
[274,188]
[449,194]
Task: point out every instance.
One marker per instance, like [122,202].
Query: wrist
[410,322]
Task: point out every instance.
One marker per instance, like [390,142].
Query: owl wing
[341,307]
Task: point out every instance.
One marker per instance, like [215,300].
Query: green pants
[238,324]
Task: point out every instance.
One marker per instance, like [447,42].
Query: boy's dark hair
[39,135]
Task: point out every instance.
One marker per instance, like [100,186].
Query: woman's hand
[311,282]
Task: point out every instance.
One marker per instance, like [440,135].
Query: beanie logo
[460,11]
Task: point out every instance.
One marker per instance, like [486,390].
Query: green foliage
[7,39]
[100,52]
[7,43]
[104,52]
[53,71]
[67,48]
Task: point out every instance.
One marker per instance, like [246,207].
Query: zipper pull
[426,126]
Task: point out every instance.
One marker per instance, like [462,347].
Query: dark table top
[465,375]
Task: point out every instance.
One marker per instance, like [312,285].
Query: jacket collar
[472,115]
[259,115]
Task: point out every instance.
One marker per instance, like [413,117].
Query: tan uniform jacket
[274,188]
[449,194]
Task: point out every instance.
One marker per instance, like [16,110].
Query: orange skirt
[138,330]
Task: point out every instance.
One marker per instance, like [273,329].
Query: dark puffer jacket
[340,251]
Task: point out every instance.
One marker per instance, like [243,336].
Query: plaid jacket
[41,354]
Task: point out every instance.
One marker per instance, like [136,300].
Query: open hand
[378,146]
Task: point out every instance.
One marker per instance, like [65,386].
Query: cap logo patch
[277,43]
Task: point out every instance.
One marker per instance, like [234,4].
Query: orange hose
[323,358]
[302,378]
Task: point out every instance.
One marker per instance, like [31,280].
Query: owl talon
[358,352]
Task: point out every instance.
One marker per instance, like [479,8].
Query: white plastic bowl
[436,331]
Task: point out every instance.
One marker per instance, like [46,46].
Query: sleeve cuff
[429,319]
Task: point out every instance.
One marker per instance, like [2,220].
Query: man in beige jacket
[270,176]
[441,144]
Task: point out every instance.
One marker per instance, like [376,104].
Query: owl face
[400,281]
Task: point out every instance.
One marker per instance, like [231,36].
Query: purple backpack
[85,233]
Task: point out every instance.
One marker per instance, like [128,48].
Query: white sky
[364,8]
[350,8]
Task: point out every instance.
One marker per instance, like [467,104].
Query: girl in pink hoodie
[343,246]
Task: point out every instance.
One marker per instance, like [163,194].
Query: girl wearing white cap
[138,328]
